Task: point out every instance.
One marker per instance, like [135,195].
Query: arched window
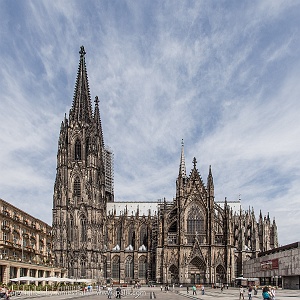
[77,187]
[195,221]
[71,268]
[83,267]
[87,145]
[142,267]
[143,235]
[129,267]
[77,150]
[131,236]
[104,267]
[115,270]
[118,235]
[71,226]
[83,229]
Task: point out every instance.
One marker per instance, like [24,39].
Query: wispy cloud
[221,76]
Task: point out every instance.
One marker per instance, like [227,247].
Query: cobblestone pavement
[156,293]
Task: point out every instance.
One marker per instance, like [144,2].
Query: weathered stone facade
[191,239]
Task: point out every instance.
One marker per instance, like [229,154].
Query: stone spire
[97,120]
[81,110]
[182,168]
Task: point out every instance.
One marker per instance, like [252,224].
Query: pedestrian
[250,292]
[242,293]
[118,292]
[222,287]
[273,293]
[187,289]
[194,290]
[202,289]
[266,293]
[161,288]
[227,286]
[255,290]
[109,292]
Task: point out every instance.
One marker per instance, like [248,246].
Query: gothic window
[71,224]
[129,267]
[131,236]
[71,268]
[77,150]
[142,267]
[104,267]
[87,143]
[77,187]
[118,235]
[115,270]
[143,235]
[83,229]
[83,267]
[172,234]
[195,221]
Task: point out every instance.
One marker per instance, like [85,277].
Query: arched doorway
[220,275]
[174,274]
[197,269]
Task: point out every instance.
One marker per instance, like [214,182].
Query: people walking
[194,290]
[273,293]
[109,292]
[242,293]
[250,292]
[118,292]
[202,289]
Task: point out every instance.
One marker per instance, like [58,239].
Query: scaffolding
[109,171]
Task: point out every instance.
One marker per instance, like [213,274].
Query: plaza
[155,292]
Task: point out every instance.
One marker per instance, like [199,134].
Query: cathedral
[191,239]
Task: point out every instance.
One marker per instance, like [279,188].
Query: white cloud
[223,78]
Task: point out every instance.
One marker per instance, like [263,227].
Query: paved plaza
[156,293]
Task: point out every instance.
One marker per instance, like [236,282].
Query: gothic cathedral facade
[191,239]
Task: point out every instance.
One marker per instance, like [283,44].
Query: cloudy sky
[221,75]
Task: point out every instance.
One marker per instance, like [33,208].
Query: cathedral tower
[81,188]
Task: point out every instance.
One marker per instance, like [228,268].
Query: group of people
[110,292]
[194,289]
[268,293]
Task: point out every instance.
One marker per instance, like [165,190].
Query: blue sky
[222,75]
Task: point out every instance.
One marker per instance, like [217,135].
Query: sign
[269,264]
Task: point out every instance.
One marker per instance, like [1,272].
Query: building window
[83,229]
[77,188]
[131,236]
[195,221]
[5,236]
[129,267]
[115,271]
[143,235]
[142,267]
[118,235]
[104,267]
[71,229]
[83,267]
[77,150]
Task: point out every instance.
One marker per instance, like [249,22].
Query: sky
[221,75]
